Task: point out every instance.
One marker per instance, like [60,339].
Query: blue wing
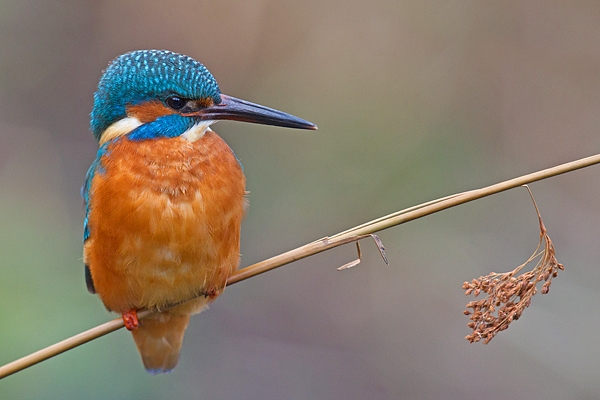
[85,193]
[85,189]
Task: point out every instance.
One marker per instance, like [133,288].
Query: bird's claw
[130,319]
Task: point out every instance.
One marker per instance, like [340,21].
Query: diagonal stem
[318,246]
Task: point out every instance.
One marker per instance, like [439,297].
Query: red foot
[131,320]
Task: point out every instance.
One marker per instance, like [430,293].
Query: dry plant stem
[316,247]
[63,346]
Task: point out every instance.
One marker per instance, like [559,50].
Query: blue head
[149,75]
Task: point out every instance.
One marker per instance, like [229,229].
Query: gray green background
[414,100]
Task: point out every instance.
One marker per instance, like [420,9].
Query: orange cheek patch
[148,111]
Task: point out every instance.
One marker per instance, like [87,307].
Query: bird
[165,196]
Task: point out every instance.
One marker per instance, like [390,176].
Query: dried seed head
[509,294]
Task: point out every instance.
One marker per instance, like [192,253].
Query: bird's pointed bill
[235,109]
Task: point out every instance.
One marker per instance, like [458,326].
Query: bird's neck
[167,126]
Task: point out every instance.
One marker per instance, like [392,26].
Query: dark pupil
[176,103]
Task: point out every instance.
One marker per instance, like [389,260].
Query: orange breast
[164,220]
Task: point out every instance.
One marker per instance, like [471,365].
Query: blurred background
[414,101]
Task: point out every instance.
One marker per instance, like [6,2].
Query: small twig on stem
[379,245]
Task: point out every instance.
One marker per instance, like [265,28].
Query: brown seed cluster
[509,294]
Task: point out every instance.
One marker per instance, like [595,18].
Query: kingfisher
[165,196]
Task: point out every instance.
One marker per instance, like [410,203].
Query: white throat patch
[197,131]
[119,128]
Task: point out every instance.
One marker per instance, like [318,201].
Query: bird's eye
[176,103]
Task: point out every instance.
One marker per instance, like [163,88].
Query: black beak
[234,109]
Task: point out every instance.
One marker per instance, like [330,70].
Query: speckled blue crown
[144,75]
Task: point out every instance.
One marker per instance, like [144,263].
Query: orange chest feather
[164,220]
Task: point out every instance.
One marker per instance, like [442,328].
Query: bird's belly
[165,222]
[180,252]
